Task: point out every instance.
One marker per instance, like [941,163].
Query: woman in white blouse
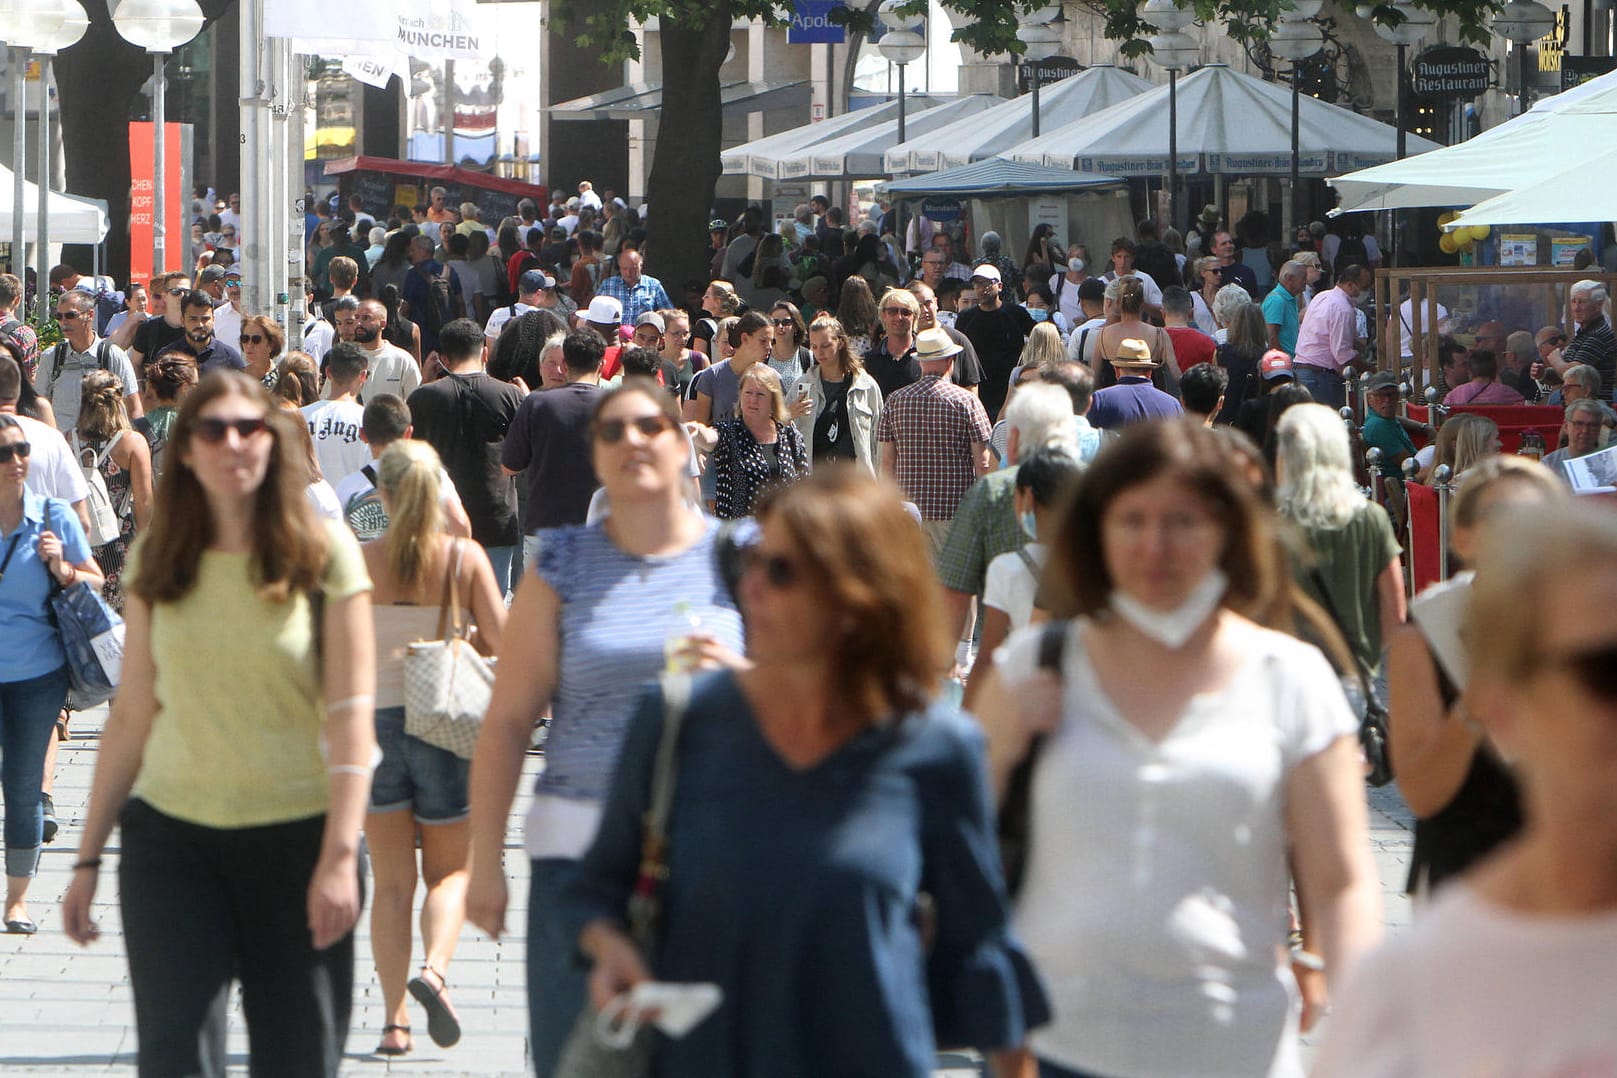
[1196,759]
[1509,970]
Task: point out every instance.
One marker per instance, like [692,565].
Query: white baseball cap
[605,311]
[986,270]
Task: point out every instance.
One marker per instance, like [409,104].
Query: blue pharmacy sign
[811,23]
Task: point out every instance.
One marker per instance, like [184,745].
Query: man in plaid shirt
[637,292]
[937,434]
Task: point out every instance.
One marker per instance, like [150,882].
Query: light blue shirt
[32,648]
[1280,309]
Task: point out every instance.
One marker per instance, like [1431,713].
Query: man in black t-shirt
[550,437]
[465,416]
[997,330]
[166,325]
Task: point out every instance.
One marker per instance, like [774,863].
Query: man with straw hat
[1133,398]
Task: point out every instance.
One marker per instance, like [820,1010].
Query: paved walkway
[67,1010]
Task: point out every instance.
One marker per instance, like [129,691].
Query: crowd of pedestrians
[739,550]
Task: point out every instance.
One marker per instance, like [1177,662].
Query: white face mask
[1171,628]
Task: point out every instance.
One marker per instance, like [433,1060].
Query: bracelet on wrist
[88,862]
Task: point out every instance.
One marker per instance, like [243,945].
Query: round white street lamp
[1519,22]
[1295,40]
[1167,16]
[1173,50]
[24,24]
[69,32]
[159,27]
[1040,41]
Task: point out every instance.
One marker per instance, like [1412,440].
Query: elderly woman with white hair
[1594,342]
[1350,562]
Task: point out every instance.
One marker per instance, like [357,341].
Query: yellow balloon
[1445,218]
[1446,244]
[1462,242]
[1479,232]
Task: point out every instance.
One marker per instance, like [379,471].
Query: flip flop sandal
[395,1050]
[442,1024]
[24,927]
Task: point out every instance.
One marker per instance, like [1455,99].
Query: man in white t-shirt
[52,471]
[386,420]
[1406,325]
[390,368]
[1092,299]
[529,288]
[335,424]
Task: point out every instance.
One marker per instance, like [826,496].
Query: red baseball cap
[1275,364]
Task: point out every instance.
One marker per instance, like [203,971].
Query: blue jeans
[555,978]
[28,712]
[505,559]
[1327,387]
[416,775]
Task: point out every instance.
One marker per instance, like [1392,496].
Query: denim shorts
[416,775]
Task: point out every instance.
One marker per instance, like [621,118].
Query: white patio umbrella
[857,153]
[1560,133]
[72,219]
[988,134]
[1229,123]
[762,157]
[1564,197]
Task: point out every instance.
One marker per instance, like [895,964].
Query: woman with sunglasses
[789,355]
[238,753]
[605,608]
[1509,970]
[818,793]
[107,440]
[41,543]
[1465,799]
[758,450]
[261,344]
[1209,758]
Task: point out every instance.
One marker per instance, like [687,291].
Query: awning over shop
[998,177]
[762,157]
[1229,124]
[644,100]
[857,151]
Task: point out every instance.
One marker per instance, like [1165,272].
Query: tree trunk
[685,166]
[96,81]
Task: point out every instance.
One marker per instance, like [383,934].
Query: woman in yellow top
[237,758]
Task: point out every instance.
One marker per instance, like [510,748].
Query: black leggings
[203,906]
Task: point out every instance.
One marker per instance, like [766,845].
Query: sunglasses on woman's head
[213,430]
[15,449]
[611,431]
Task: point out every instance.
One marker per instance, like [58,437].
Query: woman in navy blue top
[606,606]
[40,538]
[819,795]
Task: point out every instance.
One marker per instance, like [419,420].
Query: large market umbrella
[857,151]
[988,134]
[1229,123]
[1564,197]
[1560,133]
[762,157]
[997,176]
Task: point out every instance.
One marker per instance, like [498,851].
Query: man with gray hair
[1593,343]
[1584,421]
[1280,306]
[1009,271]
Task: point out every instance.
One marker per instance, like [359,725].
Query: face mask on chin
[1172,628]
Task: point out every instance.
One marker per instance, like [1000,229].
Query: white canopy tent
[857,151]
[1564,197]
[1229,123]
[72,219]
[762,157]
[1560,133]
[989,134]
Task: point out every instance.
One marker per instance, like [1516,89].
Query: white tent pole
[19,152]
[42,225]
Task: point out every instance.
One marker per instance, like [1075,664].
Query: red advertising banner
[177,236]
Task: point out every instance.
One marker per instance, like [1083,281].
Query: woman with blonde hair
[237,756]
[1462,441]
[759,449]
[1126,297]
[1204,284]
[1465,799]
[417,571]
[1509,970]
[845,402]
[856,310]
[1351,562]
[720,301]
[297,379]
[1044,348]
[106,441]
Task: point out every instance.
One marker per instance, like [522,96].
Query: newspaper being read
[1593,473]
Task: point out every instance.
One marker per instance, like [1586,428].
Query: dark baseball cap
[534,281]
[211,274]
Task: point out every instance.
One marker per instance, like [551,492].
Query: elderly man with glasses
[62,369]
[1593,343]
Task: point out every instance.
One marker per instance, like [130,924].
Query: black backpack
[1351,252]
[439,310]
